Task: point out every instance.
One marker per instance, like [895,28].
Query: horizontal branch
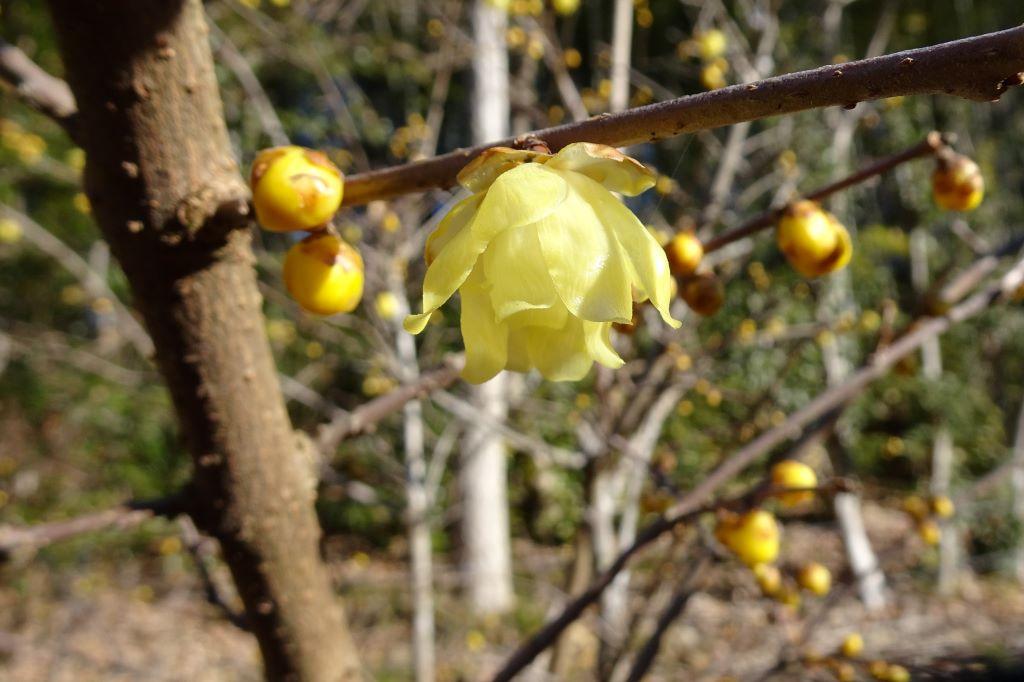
[127,515]
[978,68]
[37,88]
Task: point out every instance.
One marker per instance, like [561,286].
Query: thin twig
[127,515]
[41,91]
[365,417]
[979,68]
[933,143]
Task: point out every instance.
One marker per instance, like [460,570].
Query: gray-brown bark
[169,198]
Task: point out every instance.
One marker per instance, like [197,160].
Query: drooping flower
[545,258]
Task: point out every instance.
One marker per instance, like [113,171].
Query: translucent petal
[479,173]
[449,270]
[521,196]
[598,337]
[605,165]
[585,262]
[460,215]
[516,273]
[647,259]
[551,318]
[518,353]
[486,340]
[559,354]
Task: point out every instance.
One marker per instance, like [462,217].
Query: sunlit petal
[647,259]
[486,340]
[516,273]
[605,165]
[585,262]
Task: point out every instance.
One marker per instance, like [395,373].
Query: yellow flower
[546,259]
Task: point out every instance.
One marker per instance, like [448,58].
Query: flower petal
[606,165]
[559,354]
[646,257]
[521,196]
[460,215]
[486,340]
[449,270]
[584,260]
[598,337]
[518,352]
[516,274]
[479,173]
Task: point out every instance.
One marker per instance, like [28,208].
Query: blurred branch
[254,91]
[92,281]
[547,635]
[128,515]
[687,587]
[365,417]
[201,549]
[979,68]
[931,145]
[41,91]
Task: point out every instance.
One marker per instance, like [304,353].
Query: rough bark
[169,198]
[486,546]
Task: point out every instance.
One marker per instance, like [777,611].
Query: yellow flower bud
[712,77]
[753,537]
[813,241]
[928,531]
[942,506]
[10,231]
[545,259]
[324,274]
[957,183]
[793,474]
[853,645]
[769,579]
[815,578]
[565,7]
[386,305]
[711,44]
[684,254]
[704,294]
[294,189]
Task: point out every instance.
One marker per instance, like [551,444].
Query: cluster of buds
[294,190]
[926,514]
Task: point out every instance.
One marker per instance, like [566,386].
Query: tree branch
[363,418]
[41,91]
[127,515]
[932,144]
[980,68]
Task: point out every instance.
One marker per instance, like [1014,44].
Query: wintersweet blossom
[545,258]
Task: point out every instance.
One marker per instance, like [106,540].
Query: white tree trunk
[942,447]
[417,503]
[486,559]
[1017,484]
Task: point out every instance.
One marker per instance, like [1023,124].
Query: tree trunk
[169,199]
[487,556]
[417,496]
[942,447]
